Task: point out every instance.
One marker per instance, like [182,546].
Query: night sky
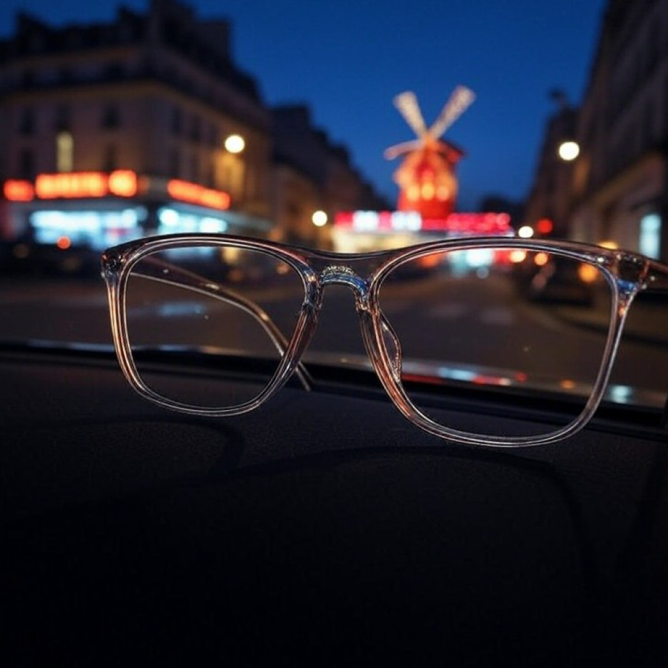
[347,59]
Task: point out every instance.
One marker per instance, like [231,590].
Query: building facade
[313,174]
[617,187]
[155,98]
[550,200]
[154,94]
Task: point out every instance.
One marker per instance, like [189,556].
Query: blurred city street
[507,334]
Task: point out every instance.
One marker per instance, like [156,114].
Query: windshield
[342,129]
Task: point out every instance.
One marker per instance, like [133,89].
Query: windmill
[426,177]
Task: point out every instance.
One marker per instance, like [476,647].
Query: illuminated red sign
[71,185]
[123,183]
[411,221]
[119,183]
[544,226]
[18,190]
[196,194]
[470,223]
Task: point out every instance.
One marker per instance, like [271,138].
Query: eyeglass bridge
[343,275]
[336,274]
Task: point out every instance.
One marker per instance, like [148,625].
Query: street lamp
[568,150]
[235,144]
[319,218]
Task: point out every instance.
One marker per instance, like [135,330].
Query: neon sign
[412,221]
[73,185]
[16,190]
[70,185]
[119,183]
[196,194]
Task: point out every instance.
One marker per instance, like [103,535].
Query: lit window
[650,235]
[64,151]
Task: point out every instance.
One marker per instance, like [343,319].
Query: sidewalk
[647,321]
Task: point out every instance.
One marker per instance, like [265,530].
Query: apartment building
[617,187]
[155,96]
[313,174]
[146,125]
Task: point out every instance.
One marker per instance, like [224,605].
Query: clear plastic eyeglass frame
[626,273]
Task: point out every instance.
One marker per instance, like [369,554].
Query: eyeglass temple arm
[396,355]
[657,279]
[192,281]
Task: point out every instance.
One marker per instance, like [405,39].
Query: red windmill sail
[426,177]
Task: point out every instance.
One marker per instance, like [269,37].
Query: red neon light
[343,219]
[474,223]
[544,226]
[64,243]
[123,182]
[406,221]
[196,194]
[70,185]
[18,191]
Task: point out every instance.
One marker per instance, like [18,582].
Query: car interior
[323,528]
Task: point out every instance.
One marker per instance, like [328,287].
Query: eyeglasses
[504,312]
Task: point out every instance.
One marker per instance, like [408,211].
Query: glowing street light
[235,144]
[569,150]
[525,232]
[319,218]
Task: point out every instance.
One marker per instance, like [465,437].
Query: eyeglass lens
[185,301]
[500,319]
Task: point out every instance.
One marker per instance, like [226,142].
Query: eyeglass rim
[118,261]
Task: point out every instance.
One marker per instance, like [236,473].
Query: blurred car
[27,257]
[561,281]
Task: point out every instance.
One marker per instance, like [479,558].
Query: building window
[111,117]
[27,78]
[63,118]
[27,164]
[64,151]
[195,129]
[114,71]
[650,235]
[211,173]
[65,75]
[213,135]
[175,163]
[27,122]
[177,121]
[194,167]
[110,162]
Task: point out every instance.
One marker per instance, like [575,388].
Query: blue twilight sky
[348,58]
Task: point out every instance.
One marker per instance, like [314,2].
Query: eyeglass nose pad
[392,346]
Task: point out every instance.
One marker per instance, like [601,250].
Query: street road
[448,323]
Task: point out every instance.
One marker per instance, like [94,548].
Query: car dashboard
[323,528]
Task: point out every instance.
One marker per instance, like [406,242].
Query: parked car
[561,281]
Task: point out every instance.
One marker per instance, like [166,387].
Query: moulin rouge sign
[412,221]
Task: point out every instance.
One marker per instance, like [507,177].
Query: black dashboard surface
[322,529]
